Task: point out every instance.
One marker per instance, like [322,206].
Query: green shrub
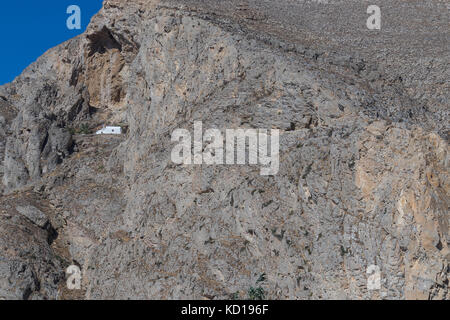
[256,293]
[84,129]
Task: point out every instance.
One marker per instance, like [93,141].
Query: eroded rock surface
[363,176]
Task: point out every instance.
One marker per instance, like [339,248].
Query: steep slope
[363,154]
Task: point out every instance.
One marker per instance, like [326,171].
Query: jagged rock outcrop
[363,155]
[30,266]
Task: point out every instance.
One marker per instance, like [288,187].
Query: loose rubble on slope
[363,176]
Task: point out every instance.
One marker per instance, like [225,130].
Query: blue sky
[28,28]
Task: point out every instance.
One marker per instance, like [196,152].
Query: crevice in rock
[74,78]
[52,234]
[102,41]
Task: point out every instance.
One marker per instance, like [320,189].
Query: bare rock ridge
[363,176]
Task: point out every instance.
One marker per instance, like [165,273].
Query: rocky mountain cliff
[363,178]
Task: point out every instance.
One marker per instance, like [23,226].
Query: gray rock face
[7,114]
[29,266]
[363,154]
[34,215]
